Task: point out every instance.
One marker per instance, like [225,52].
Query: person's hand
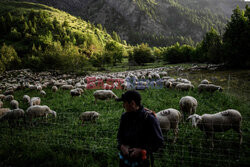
[125,150]
[135,152]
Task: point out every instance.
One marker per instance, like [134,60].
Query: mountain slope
[157,22]
[43,37]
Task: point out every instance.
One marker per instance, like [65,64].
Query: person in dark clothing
[139,133]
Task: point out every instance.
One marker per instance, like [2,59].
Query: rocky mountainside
[157,22]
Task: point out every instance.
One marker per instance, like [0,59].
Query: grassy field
[64,142]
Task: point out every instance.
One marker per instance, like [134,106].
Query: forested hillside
[44,38]
[156,22]
[41,37]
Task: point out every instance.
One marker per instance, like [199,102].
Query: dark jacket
[140,129]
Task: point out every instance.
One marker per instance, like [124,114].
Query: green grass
[64,142]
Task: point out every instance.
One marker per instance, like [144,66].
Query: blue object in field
[127,162]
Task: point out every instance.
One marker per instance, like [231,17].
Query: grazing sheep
[174,83]
[182,80]
[89,116]
[13,116]
[3,111]
[169,119]
[39,87]
[54,88]
[204,81]
[67,87]
[8,98]
[104,95]
[184,86]
[43,93]
[39,111]
[35,101]
[188,105]
[1,104]
[167,84]
[26,99]
[209,88]
[218,122]
[9,92]
[76,92]
[2,96]
[14,104]
[32,87]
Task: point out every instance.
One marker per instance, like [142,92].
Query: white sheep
[209,88]
[167,84]
[26,99]
[9,92]
[35,101]
[43,93]
[104,95]
[169,119]
[38,111]
[14,104]
[3,111]
[89,116]
[184,86]
[218,122]
[54,88]
[8,98]
[12,116]
[76,92]
[32,87]
[2,96]
[39,87]
[188,105]
[66,87]
[204,81]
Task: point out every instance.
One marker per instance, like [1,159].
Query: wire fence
[192,148]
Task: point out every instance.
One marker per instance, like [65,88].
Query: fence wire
[192,148]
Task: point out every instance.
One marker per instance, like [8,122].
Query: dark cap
[131,95]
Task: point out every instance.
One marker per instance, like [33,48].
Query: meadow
[64,142]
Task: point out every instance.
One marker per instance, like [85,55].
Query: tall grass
[64,142]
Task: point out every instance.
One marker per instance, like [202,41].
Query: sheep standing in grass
[39,111]
[205,81]
[12,116]
[14,104]
[76,92]
[3,111]
[88,116]
[35,101]
[2,96]
[54,88]
[218,122]
[43,93]
[104,95]
[8,98]
[188,105]
[184,86]
[169,119]
[26,99]
[67,87]
[209,88]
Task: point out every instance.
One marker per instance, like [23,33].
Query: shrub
[142,54]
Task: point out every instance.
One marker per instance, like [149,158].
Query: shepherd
[139,133]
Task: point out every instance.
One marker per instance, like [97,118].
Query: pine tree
[236,39]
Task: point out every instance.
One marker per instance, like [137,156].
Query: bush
[9,58]
[178,54]
[142,54]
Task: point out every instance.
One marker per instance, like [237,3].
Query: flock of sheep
[139,80]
